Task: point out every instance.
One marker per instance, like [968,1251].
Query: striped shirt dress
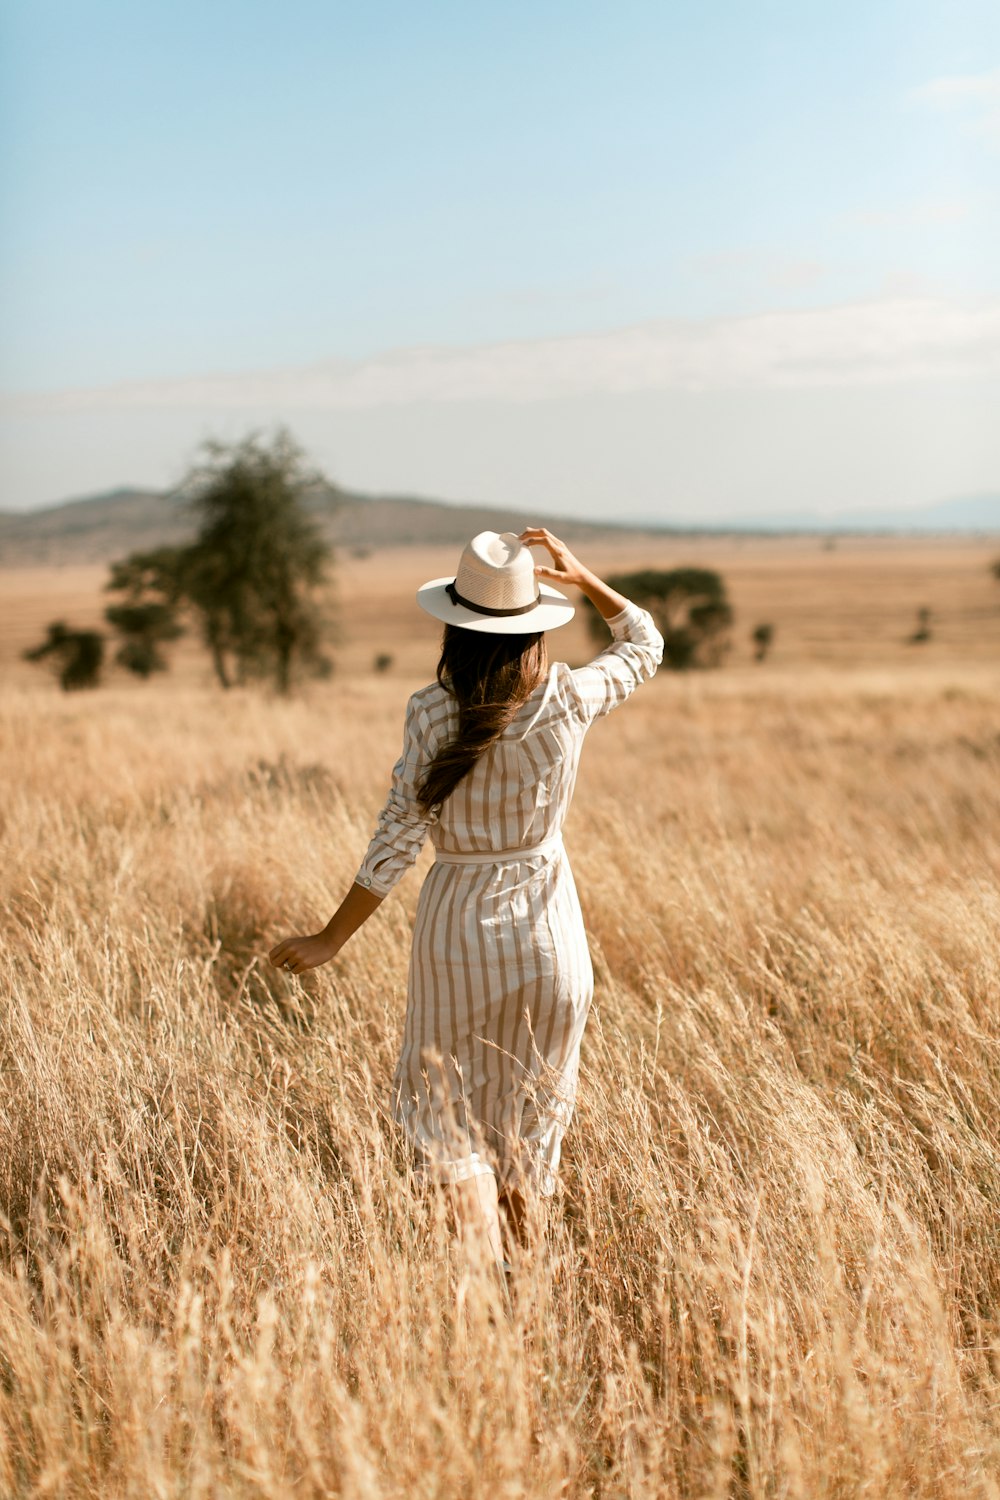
[500,979]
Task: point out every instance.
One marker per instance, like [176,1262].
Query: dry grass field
[773,1266]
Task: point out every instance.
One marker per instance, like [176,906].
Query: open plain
[773,1266]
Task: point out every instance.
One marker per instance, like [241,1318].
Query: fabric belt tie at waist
[499,856]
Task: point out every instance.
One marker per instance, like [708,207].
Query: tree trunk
[219,662]
[285,640]
[284,666]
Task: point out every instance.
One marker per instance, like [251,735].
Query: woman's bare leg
[515,1211]
[525,1220]
[477,1215]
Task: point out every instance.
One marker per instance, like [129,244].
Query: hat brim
[552,610]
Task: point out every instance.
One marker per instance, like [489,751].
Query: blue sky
[234,191]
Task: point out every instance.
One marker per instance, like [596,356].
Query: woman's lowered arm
[301,953]
[399,836]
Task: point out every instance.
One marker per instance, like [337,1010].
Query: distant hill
[100,527]
[966,513]
[94,529]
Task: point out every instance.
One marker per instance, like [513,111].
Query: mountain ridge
[112,523]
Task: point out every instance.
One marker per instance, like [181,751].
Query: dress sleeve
[631,658]
[402,824]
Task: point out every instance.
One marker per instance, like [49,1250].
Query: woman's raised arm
[631,657]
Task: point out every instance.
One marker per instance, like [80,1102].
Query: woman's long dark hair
[491,676]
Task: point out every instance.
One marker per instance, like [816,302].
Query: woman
[500,979]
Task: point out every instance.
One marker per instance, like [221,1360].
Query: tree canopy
[690,608]
[146,618]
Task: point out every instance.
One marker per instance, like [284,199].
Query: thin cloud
[796,273]
[914,213]
[895,340]
[762,268]
[976,94]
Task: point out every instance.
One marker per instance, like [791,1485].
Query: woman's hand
[297,954]
[566,568]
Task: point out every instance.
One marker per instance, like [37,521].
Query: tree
[146,619]
[79,655]
[690,608]
[250,577]
[258,560]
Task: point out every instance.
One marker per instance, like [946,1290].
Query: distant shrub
[995,568]
[79,655]
[690,608]
[383,661]
[763,638]
[923,630]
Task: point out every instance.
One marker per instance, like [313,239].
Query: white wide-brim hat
[495,590]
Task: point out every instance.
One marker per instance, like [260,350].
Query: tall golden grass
[773,1266]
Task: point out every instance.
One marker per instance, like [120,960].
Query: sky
[635,260]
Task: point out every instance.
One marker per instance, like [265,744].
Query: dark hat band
[481,609]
